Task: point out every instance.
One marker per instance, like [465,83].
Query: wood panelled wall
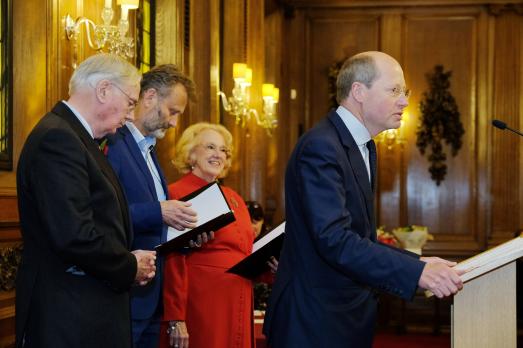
[292,43]
[478,203]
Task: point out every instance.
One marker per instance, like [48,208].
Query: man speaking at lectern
[331,264]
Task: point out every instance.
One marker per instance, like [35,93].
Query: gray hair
[164,77]
[359,68]
[103,66]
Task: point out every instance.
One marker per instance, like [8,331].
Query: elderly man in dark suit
[331,264]
[76,270]
[164,94]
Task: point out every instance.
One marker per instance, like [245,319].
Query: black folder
[255,264]
[214,220]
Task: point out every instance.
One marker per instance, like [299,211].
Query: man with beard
[164,92]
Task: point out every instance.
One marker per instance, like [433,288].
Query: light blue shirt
[146,145]
[81,119]
[358,131]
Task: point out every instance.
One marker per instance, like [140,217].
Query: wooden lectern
[484,312]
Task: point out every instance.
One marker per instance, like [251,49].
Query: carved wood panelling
[333,36]
[482,46]
[506,148]
[450,209]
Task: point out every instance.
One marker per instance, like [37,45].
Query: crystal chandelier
[112,38]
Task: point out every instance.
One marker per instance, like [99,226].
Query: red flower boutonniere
[104,147]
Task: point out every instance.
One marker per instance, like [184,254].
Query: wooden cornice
[404,3]
[498,9]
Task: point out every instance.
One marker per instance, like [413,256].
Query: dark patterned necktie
[371,146]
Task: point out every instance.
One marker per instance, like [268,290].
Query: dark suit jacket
[330,263]
[76,270]
[149,230]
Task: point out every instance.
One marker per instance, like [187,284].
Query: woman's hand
[178,335]
[201,239]
[273,264]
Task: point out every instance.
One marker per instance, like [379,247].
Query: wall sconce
[238,104]
[105,36]
[393,137]
[271,96]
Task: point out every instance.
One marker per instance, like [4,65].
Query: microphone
[502,125]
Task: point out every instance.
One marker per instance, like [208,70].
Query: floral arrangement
[413,237]
[386,237]
[262,291]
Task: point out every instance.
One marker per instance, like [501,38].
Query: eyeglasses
[132,102]
[212,148]
[396,92]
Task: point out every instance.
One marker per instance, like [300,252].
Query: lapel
[92,147]
[356,162]
[135,151]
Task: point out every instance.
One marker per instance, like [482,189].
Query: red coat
[216,306]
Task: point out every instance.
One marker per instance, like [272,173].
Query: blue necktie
[371,146]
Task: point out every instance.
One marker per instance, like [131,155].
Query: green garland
[440,120]
[334,69]
[10,258]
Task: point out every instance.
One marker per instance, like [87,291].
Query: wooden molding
[499,9]
[9,211]
[390,3]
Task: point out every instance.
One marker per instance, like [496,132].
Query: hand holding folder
[255,264]
[213,213]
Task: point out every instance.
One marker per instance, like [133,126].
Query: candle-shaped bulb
[276,94]
[248,76]
[238,70]
[267,90]
[125,13]
[130,4]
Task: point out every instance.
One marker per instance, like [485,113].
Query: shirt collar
[144,143]
[81,119]
[358,131]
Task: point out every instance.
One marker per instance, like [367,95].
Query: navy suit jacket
[146,216]
[330,266]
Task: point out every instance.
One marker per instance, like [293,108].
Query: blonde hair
[190,139]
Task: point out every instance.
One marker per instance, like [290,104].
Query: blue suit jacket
[330,264]
[146,216]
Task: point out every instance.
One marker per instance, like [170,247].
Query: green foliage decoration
[262,291]
[334,69]
[9,261]
[440,121]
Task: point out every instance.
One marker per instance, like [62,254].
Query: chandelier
[238,104]
[112,38]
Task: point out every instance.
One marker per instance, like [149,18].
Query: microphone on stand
[502,125]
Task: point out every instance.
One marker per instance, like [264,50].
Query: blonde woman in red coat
[203,305]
